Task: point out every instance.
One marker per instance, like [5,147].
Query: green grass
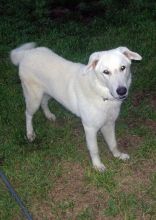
[53,175]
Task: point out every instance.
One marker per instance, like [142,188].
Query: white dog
[93,92]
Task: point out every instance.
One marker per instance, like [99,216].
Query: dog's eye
[122,68]
[106,72]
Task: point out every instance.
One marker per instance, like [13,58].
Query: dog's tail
[17,54]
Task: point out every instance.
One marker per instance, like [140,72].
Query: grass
[53,175]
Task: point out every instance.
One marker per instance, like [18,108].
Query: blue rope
[16,197]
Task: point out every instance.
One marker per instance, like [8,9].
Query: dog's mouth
[120,98]
[123,97]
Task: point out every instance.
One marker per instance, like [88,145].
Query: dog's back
[41,70]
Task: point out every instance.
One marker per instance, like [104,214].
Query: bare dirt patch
[152,100]
[72,187]
[137,179]
[130,141]
[150,124]
[71,196]
[139,122]
[144,95]
[137,98]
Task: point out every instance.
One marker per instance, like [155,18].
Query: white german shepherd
[94,92]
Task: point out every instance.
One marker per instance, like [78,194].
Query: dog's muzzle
[121,91]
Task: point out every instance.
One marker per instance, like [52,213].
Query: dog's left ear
[129,54]
[93,60]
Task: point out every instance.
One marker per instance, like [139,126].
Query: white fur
[84,90]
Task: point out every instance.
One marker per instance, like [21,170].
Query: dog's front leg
[108,132]
[91,139]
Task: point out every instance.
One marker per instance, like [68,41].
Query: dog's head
[112,69]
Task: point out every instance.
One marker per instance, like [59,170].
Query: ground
[54,175]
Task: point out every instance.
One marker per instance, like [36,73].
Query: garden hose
[16,197]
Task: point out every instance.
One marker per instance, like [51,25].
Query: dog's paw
[122,156]
[51,117]
[99,167]
[31,137]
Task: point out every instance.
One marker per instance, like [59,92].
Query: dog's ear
[129,54]
[93,60]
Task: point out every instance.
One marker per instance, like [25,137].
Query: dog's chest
[111,110]
[107,113]
[101,112]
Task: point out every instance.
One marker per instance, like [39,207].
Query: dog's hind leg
[44,104]
[33,96]
[108,132]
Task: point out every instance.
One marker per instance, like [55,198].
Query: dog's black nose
[121,91]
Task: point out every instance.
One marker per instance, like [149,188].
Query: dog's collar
[105,99]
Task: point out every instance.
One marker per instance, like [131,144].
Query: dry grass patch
[129,141]
[136,177]
[72,197]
